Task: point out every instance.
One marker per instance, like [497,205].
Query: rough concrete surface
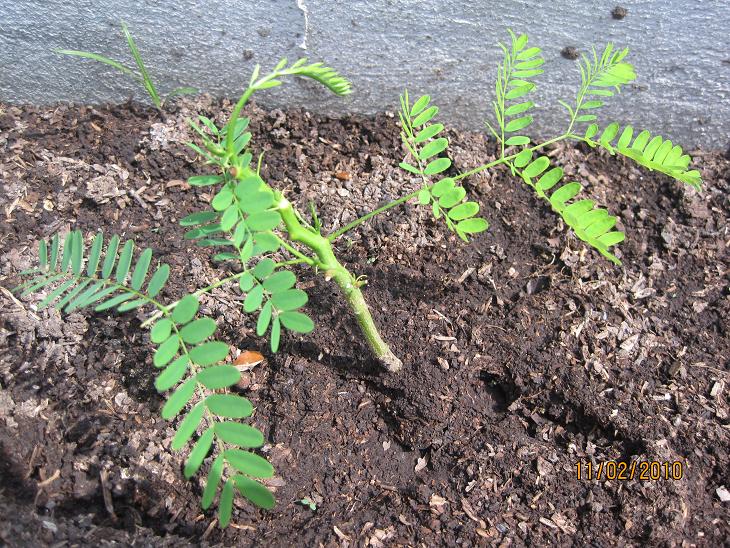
[446,48]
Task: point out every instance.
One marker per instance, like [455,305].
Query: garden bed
[525,351]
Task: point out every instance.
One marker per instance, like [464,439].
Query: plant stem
[198,293]
[339,232]
[332,237]
[230,138]
[349,285]
[507,158]
[301,257]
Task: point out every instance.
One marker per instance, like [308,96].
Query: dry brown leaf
[248,359]
[436,501]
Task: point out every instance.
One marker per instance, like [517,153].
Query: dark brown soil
[524,351]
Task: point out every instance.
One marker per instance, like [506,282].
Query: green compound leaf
[410,168]
[198,330]
[256,201]
[266,242]
[518,123]
[437,166]
[655,153]
[223,199]
[452,197]
[43,254]
[611,238]
[199,218]
[429,131]
[296,321]
[56,293]
[140,270]
[179,399]
[275,334]
[246,282]
[125,260]
[229,218]
[587,223]
[219,376]
[433,148]
[249,463]
[563,194]
[549,179]
[198,454]
[131,305]
[239,434]
[518,108]
[442,195]
[111,257]
[537,167]
[280,281]
[229,405]
[67,251]
[225,506]
[263,220]
[166,351]
[473,225]
[290,299]
[77,252]
[53,259]
[523,158]
[254,492]
[44,281]
[264,268]
[158,281]
[94,254]
[254,298]
[185,309]
[425,116]
[188,426]
[442,187]
[161,330]
[517,140]
[209,353]
[83,297]
[211,484]
[519,91]
[111,303]
[264,319]
[420,105]
[205,180]
[172,374]
[463,211]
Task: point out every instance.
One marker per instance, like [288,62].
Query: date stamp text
[624,471]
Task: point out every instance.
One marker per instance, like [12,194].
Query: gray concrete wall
[447,48]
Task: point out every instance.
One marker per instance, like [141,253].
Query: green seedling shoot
[262,240]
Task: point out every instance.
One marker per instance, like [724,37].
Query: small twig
[47,481]
[134,194]
[719,371]
[106,493]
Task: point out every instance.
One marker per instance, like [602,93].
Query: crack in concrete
[305,10]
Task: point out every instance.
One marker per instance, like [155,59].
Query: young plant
[601,77]
[141,76]
[260,234]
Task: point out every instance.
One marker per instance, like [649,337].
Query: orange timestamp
[624,471]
